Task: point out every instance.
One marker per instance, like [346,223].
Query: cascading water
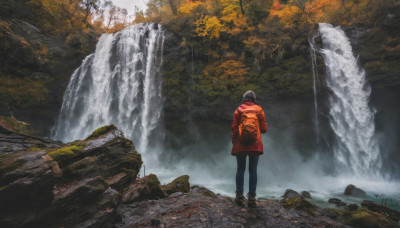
[119,84]
[351,118]
[315,79]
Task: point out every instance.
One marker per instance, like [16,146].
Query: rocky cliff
[94,183]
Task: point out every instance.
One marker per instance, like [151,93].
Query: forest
[223,47]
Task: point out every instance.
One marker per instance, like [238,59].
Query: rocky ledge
[94,183]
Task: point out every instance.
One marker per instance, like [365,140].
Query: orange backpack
[249,127]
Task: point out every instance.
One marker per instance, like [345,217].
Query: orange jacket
[257,146]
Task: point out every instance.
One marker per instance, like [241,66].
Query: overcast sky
[130,4]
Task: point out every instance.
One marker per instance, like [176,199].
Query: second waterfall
[119,84]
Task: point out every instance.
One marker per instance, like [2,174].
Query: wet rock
[306,194]
[196,209]
[337,202]
[147,187]
[12,142]
[180,184]
[352,207]
[352,190]
[26,184]
[331,213]
[77,185]
[392,214]
[363,218]
[291,194]
[176,194]
[299,204]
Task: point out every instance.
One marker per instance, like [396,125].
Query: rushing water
[315,92]
[351,118]
[120,84]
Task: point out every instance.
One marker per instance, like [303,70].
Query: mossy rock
[204,191]
[299,204]
[101,131]
[86,167]
[180,184]
[12,124]
[364,219]
[132,164]
[65,154]
[154,184]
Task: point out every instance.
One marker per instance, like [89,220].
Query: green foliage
[101,131]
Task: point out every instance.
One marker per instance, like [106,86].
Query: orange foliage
[189,6]
[208,27]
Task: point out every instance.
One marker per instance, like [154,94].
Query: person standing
[247,126]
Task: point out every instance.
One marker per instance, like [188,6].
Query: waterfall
[351,118]
[315,79]
[120,84]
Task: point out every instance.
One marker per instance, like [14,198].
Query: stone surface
[147,187]
[337,202]
[11,142]
[85,190]
[196,209]
[394,215]
[291,194]
[306,194]
[352,190]
[180,184]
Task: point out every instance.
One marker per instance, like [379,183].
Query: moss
[101,131]
[299,204]
[12,124]
[128,144]
[132,163]
[64,154]
[81,143]
[34,148]
[152,181]
[180,184]
[364,218]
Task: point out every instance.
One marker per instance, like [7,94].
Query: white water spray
[351,118]
[315,92]
[119,84]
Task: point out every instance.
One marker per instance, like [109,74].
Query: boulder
[180,184]
[306,194]
[77,185]
[144,188]
[352,190]
[389,212]
[362,218]
[299,204]
[337,202]
[352,207]
[291,194]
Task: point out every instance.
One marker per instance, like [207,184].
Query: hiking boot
[251,200]
[240,200]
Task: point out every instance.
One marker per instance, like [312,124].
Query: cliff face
[34,72]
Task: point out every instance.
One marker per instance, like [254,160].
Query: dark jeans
[241,167]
